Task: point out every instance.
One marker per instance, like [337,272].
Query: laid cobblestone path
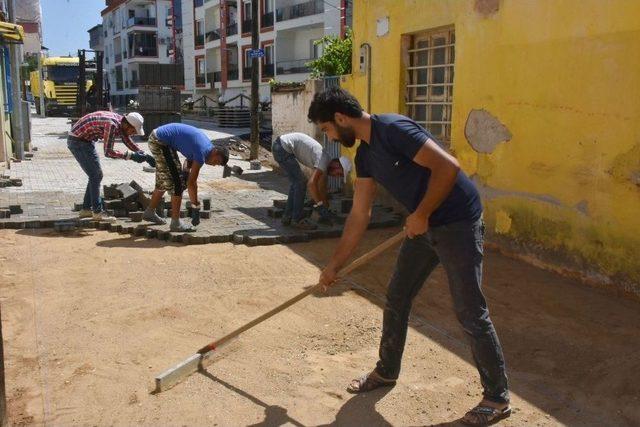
[52,182]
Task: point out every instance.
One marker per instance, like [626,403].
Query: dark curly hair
[333,100]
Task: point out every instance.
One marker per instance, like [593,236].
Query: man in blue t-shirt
[444,226]
[165,142]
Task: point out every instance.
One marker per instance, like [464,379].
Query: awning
[11,33]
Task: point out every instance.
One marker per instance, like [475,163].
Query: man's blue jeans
[297,180]
[87,156]
[459,247]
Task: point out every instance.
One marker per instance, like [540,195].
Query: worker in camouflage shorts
[165,142]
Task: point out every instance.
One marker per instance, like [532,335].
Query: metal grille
[332,147]
[429,90]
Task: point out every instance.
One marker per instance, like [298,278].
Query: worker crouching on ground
[288,150]
[107,126]
[165,142]
[444,226]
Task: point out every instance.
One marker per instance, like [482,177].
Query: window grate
[429,88]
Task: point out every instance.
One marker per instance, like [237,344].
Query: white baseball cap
[136,120]
[346,167]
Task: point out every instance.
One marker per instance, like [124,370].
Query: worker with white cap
[288,150]
[107,126]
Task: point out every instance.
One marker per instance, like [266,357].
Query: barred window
[429,91]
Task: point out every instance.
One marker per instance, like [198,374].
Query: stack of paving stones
[6,181]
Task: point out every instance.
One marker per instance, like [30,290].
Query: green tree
[336,56]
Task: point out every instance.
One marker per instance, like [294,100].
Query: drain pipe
[365,67]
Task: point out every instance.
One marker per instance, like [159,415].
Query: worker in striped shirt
[107,126]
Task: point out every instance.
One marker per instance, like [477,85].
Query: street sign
[256,53]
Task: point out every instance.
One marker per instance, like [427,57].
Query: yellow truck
[60,81]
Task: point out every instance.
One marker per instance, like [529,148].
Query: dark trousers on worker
[459,247]
[297,181]
[87,156]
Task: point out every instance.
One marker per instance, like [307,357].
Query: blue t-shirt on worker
[188,140]
[388,158]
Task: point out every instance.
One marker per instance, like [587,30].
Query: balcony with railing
[308,8]
[212,35]
[136,20]
[246,25]
[293,67]
[199,39]
[267,70]
[267,20]
[232,72]
[144,52]
[232,29]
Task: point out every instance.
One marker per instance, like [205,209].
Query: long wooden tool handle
[348,269]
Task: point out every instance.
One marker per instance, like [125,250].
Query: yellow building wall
[564,77]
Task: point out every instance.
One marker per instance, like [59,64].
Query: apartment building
[135,32]
[217,40]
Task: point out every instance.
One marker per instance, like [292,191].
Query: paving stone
[205,214]
[104,225]
[77,207]
[206,204]
[15,209]
[220,238]
[135,216]
[136,186]
[132,206]
[238,239]
[151,233]
[5,213]
[111,192]
[293,238]
[64,226]
[275,212]
[175,238]
[129,194]
[163,235]
[16,182]
[280,203]
[115,227]
[260,240]
[120,213]
[115,204]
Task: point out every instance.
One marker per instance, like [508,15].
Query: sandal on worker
[368,382]
[483,415]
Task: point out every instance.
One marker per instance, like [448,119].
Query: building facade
[135,32]
[96,38]
[217,40]
[29,16]
[515,89]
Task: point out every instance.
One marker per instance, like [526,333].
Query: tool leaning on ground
[204,356]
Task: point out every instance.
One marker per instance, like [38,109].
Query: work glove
[149,159]
[195,214]
[136,156]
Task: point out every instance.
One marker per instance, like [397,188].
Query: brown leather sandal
[369,382]
[483,415]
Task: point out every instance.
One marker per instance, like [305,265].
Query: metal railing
[135,20]
[293,67]
[212,35]
[267,70]
[232,29]
[232,73]
[144,51]
[300,10]
[267,20]
[199,39]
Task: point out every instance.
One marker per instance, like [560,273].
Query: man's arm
[108,138]
[192,183]
[129,143]
[354,228]
[444,171]
[314,186]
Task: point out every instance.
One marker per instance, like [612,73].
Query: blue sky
[65,24]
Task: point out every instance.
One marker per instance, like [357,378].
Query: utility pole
[17,118]
[255,78]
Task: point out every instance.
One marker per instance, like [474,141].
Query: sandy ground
[89,320]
